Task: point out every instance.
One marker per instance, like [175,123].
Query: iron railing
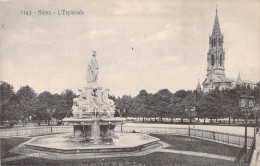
[222,137]
[153,130]
[250,152]
[228,138]
[240,157]
[33,131]
[211,135]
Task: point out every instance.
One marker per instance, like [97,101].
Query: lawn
[8,143]
[157,158]
[154,159]
[198,145]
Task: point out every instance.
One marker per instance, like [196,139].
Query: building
[216,77]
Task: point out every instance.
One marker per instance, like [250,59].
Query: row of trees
[165,104]
[26,103]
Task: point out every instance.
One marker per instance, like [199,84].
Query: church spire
[198,86]
[239,81]
[216,27]
[216,53]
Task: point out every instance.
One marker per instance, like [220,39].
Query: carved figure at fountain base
[90,109]
[82,132]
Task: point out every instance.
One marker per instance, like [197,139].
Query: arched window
[220,62]
[211,42]
[212,60]
[214,42]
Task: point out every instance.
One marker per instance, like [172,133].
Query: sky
[169,40]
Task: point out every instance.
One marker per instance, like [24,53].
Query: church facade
[216,77]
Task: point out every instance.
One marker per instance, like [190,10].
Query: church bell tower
[216,53]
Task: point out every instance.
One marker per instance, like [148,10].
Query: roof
[225,79]
[240,81]
[217,78]
[249,82]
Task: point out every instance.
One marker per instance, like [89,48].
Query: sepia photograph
[130,83]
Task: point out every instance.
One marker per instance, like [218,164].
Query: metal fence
[251,152]
[211,135]
[228,138]
[153,130]
[222,137]
[205,134]
[33,131]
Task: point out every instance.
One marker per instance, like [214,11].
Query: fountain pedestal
[93,115]
[94,131]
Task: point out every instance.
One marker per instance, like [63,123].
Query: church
[216,77]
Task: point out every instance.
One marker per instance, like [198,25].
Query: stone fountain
[93,112]
[93,124]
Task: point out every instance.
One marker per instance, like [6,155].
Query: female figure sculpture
[92,74]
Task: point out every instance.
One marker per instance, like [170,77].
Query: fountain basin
[66,144]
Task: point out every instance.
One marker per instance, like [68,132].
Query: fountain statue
[92,74]
[93,112]
[93,124]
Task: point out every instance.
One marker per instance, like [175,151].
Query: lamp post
[2,98]
[191,111]
[246,103]
[256,116]
[50,121]
[122,126]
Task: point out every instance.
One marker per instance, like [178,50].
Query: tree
[63,104]
[230,104]
[188,102]
[182,93]
[124,105]
[142,104]
[28,100]
[45,106]
[209,106]
[6,92]
[203,106]
[216,109]
[174,107]
[11,109]
[161,103]
[256,93]
[58,108]
[180,103]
